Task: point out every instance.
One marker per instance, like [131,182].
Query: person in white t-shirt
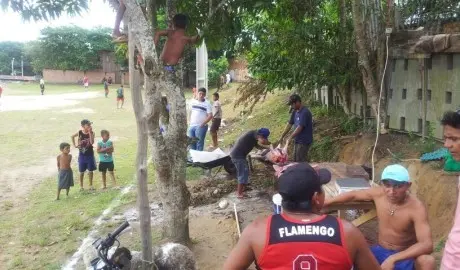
[201,114]
[228,78]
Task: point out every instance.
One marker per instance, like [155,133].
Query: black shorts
[106,166]
[215,124]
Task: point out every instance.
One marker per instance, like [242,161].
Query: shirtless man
[451,257]
[300,237]
[404,232]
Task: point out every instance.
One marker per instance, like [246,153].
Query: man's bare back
[176,40]
[174,46]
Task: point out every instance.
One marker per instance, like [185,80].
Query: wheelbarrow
[210,160]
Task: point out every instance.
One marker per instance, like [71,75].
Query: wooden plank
[341,214]
[365,218]
[364,205]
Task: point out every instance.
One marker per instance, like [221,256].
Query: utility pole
[12,67]
[22,67]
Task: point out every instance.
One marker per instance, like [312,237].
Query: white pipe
[237,221]
[378,112]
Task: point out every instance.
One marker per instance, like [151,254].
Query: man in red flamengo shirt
[301,238]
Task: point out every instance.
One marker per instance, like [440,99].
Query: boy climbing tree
[175,43]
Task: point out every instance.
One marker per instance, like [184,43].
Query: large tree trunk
[364,62]
[141,160]
[168,150]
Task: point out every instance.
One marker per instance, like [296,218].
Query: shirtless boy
[65,175]
[404,232]
[301,237]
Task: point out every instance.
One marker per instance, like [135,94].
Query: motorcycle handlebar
[120,229]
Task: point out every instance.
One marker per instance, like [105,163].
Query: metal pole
[12,67]
[22,67]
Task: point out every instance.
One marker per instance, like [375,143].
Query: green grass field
[40,233]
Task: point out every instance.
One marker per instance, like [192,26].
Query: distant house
[238,69]
[109,69]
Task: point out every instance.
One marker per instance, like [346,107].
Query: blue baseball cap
[264,132]
[396,173]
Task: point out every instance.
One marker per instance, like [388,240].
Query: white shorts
[86,84]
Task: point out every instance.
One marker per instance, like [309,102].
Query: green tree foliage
[216,67]
[69,48]
[302,50]
[10,50]
[44,9]
[428,13]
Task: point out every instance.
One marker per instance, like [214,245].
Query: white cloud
[16,29]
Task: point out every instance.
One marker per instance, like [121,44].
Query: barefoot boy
[216,119]
[65,174]
[105,150]
[86,159]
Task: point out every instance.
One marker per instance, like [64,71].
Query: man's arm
[194,39]
[263,146]
[207,120]
[296,132]
[353,196]
[91,136]
[424,245]
[363,257]
[58,163]
[99,149]
[72,138]
[242,254]
[158,34]
[110,149]
[209,113]
[286,130]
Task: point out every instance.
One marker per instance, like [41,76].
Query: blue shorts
[242,170]
[381,254]
[86,163]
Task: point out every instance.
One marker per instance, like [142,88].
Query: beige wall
[71,76]
[238,70]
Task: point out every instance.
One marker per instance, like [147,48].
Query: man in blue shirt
[302,120]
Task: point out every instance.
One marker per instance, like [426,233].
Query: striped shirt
[200,111]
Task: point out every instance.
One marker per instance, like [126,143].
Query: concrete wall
[238,69]
[71,76]
[442,82]
[356,105]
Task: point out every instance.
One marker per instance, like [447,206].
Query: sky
[16,29]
